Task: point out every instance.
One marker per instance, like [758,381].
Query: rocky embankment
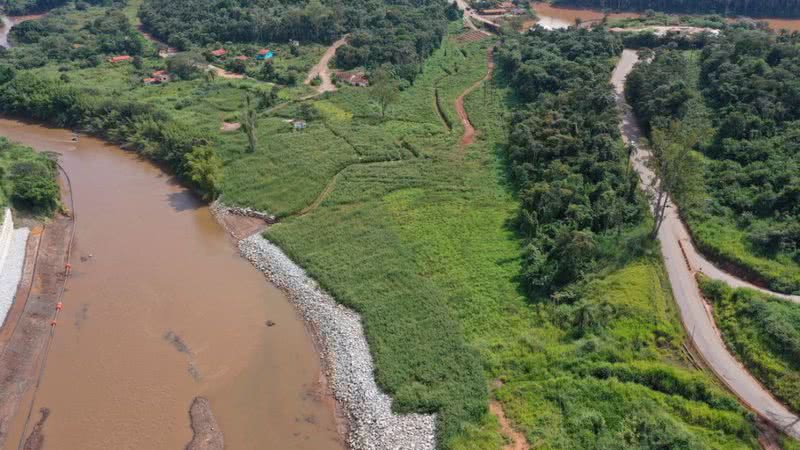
[345,353]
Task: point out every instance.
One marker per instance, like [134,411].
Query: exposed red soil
[240,227]
[469,131]
[518,440]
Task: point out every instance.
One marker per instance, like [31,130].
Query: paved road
[681,261]
[322,69]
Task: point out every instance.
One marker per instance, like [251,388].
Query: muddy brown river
[161,309]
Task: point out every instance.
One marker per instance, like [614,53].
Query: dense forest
[22,7]
[750,83]
[402,33]
[57,38]
[565,153]
[758,8]
[590,268]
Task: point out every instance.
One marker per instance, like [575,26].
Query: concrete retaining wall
[6,232]
[12,259]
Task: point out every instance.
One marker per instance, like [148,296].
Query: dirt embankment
[28,325]
[207,434]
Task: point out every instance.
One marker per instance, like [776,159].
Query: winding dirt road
[682,262]
[322,70]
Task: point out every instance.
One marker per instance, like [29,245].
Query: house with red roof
[219,52]
[120,58]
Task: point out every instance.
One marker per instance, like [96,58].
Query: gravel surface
[11,271]
[346,355]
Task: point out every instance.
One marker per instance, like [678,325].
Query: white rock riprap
[348,362]
[12,259]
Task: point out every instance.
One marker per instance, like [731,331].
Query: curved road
[682,261]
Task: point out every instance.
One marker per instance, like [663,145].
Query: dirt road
[695,313]
[469,131]
[322,70]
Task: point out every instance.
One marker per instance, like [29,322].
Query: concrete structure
[12,258]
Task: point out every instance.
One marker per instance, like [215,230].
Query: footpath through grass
[422,247]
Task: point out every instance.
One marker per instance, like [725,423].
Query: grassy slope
[764,333]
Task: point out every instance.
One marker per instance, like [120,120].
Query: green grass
[415,235]
[764,333]
[721,239]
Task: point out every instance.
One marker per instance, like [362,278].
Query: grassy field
[413,239]
[764,333]
[414,232]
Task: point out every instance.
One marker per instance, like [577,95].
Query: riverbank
[343,347]
[172,294]
[12,259]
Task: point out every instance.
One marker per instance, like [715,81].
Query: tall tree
[678,169]
[384,89]
[249,120]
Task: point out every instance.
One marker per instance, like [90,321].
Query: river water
[161,309]
[551,17]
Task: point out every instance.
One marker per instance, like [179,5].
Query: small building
[120,58]
[242,58]
[299,124]
[264,54]
[219,52]
[158,77]
[353,78]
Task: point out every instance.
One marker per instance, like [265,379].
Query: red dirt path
[469,131]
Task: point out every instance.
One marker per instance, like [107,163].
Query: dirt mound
[207,435]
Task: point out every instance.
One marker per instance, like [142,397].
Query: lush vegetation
[565,153]
[764,333]
[22,7]
[603,365]
[27,179]
[742,92]
[761,8]
[401,33]
[422,236]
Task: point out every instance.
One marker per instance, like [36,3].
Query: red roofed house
[116,59]
[353,78]
[242,58]
[219,52]
[159,76]
[263,54]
